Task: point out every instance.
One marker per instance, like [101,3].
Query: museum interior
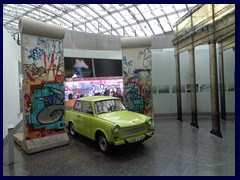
[171,67]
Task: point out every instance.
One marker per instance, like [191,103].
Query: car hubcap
[102,143]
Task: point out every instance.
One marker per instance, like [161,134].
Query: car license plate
[137,139]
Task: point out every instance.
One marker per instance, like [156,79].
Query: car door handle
[78,116]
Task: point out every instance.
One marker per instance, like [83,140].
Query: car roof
[97,98]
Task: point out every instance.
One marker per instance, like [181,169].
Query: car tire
[71,129]
[103,143]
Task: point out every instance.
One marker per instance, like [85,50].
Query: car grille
[129,132]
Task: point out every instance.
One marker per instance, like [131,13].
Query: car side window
[77,106]
[87,108]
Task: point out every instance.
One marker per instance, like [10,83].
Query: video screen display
[78,67]
[107,67]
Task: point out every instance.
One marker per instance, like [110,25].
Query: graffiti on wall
[92,87]
[43,72]
[43,60]
[137,80]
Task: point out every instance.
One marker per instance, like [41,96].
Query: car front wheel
[71,129]
[103,143]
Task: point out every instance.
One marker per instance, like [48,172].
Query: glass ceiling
[108,19]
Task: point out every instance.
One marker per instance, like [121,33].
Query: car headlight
[149,121]
[116,129]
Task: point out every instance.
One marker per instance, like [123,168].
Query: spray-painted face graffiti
[145,56]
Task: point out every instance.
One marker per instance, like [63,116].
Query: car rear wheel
[103,143]
[71,129]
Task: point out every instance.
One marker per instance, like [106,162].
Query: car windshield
[108,106]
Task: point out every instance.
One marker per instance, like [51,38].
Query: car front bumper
[134,139]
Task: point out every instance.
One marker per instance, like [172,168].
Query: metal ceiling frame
[79,18]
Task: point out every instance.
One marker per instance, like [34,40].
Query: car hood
[124,118]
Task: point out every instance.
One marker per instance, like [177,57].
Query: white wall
[162,68]
[229,73]
[11,102]
[164,75]
[185,79]
[202,67]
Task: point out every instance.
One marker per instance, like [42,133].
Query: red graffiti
[56,72]
[58,75]
[31,78]
[51,66]
[38,133]
[28,102]
[45,60]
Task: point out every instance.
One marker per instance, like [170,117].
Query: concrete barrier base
[41,144]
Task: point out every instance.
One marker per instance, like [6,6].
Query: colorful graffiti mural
[137,79]
[43,86]
[89,87]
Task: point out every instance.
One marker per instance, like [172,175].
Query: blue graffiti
[135,96]
[53,47]
[35,53]
[127,63]
[40,41]
[133,75]
[55,98]
[50,99]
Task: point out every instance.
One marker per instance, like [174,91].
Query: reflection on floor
[176,149]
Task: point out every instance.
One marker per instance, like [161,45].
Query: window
[77,106]
[108,106]
[87,108]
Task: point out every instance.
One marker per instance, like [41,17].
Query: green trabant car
[106,120]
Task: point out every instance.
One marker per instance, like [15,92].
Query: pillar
[216,130]
[178,88]
[222,84]
[234,69]
[10,144]
[193,88]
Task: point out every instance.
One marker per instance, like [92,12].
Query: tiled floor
[176,149]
